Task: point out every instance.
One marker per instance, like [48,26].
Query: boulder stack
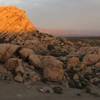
[32,56]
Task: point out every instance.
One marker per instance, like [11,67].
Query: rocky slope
[41,57]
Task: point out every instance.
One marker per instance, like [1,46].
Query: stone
[82,51]
[97,65]
[34,76]
[18,78]
[95,81]
[6,51]
[27,66]
[89,70]
[73,62]
[91,59]
[35,60]
[26,52]
[34,44]
[57,90]
[52,69]
[20,69]
[31,74]
[45,90]
[14,22]
[13,63]
[76,77]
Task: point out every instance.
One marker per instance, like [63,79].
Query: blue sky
[61,14]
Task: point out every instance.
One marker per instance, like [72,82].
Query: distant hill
[70,33]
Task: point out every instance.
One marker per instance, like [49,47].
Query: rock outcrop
[14,22]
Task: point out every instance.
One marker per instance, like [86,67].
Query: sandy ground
[16,91]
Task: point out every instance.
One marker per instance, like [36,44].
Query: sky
[82,15]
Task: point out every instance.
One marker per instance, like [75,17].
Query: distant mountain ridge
[70,33]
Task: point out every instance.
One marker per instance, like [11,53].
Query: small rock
[46,90]
[34,44]
[73,62]
[76,77]
[13,63]
[35,60]
[20,69]
[95,81]
[57,90]
[18,78]
[35,77]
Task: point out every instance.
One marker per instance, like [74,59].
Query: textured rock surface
[12,63]
[14,17]
[7,50]
[91,59]
[73,62]
[52,69]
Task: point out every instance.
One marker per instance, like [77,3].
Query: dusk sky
[61,14]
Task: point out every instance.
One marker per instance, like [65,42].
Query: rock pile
[42,57]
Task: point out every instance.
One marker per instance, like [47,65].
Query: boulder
[91,59]
[52,69]
[76,77]
[14,22]
[34,44]
[26,52]
[73,62]
[18,78]
[6,51]
[31,74]
[13,63]
[35,60]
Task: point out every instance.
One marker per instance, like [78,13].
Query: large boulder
[14,22]
[91,59]
[6,51]
[52,69]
